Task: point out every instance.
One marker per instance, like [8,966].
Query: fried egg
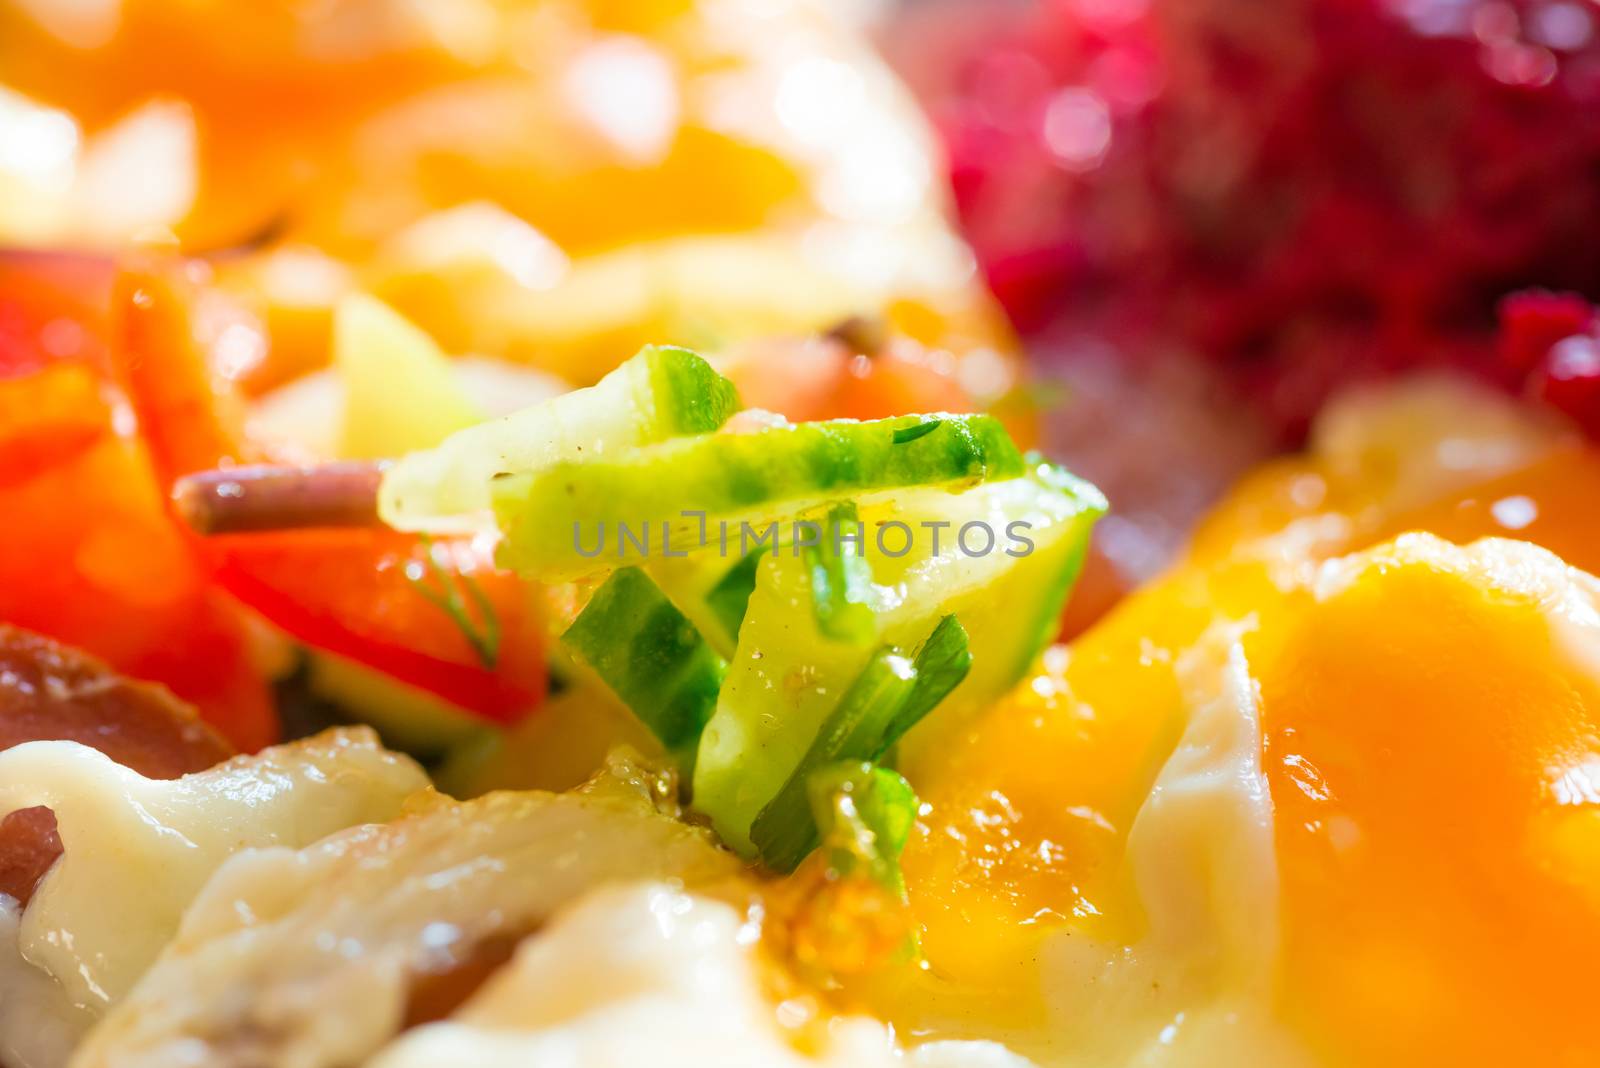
[1300,801]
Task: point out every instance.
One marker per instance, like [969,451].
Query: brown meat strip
[51,692]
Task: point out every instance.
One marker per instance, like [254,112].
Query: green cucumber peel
[659,394]
[650,655]
[660,499]
[692,398]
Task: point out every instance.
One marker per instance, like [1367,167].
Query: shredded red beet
[1550,344]
[1304,192]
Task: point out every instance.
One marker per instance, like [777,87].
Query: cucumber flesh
[574,518]
[786,676]
[659,394]
[711,592]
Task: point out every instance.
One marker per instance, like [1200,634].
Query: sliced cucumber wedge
[650,656]
[730,597]
[786,677]
[886,700]
[659,394]
[577,517]
[711,591]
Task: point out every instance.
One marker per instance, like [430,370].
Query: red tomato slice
[437,616]
[89,555]
[351,592]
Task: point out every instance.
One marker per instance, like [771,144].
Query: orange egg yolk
[1432,744]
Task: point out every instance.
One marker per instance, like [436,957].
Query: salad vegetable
[400,391]
[841,579]
[887,699]
[434,615]
[83,474]
[772,598]
[556,520]
[659,393]
[864,814]
[650,655]
[421,613]
[1009,600]
[730,597]
[710,591]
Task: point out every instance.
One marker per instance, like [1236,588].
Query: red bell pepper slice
[53,309]
[88,553]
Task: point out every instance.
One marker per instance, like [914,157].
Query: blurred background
[1202,215]
[1154,234]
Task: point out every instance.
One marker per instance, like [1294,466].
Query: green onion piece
[942,664]
[888,697]
[865,813]
[650,655]
[784,831]
[912,433]
[841,578]
[729,598]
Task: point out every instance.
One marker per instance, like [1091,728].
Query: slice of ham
[50,692]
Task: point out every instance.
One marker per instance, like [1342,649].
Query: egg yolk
[1027,808]
[1432,745]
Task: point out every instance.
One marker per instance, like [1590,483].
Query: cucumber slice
[650,656]
[710,592]
[728,600]
[401,391]
[659,394]
[406,718]
[1010,605]
[885,701]
[649,501]
[786,677]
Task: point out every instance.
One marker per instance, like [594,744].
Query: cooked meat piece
[319,957]
[51,692]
